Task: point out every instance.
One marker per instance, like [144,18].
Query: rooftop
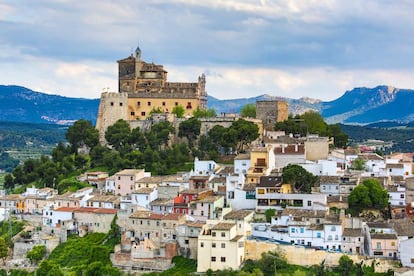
[223,226]
[238,214]
[352,232]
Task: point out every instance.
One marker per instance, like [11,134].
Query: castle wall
[112,107]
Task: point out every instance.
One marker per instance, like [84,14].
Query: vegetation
[368,195]
[182,266]
[358,164]
[178,110]
[300,178]
[4,250]
[249,110]
[36,253]
[83,256]
[204,113]
[269,213]
[312,122]
[16,227]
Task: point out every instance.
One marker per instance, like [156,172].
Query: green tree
[178,110]
[358,164]
[269,213]
[8,182]
[4,250]
[82,133]
[190,129]
[246,132]
[249,110]
[367,195]
[48,268]
[156,110]
[300,178]
[36,253]
[204,113]
[346,266]
[118,134]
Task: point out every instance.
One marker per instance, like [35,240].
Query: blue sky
[286,48]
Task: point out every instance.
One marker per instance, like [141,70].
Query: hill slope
[20,104]
[357,106]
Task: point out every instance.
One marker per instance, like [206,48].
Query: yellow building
[262,161]
[148,89]
[220,247]
[143,87]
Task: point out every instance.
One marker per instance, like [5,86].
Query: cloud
[315,48]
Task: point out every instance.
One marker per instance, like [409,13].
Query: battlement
[109,95]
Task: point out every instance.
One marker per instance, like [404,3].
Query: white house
[406,252]
[235,181]
[242,163]
[245,197]
[321,167]
[204,167]
[143,197]
[396,195]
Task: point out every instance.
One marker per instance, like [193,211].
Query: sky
[246,48]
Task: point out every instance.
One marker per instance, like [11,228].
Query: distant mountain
[235,105]
[368,105]
[357,106]
[20,104]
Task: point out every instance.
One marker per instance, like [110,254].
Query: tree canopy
[82,133]
[368,195]
[178,110]
[300,178]
[249,110]
[36,253]
[311,122]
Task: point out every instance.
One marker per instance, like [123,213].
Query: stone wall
[299,255]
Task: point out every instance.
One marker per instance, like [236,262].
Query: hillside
[357,106]
[20,104]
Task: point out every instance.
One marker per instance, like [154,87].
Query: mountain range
[357,106]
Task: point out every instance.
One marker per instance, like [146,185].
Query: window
[213,234]
[213,259]
[149,103]
[158,223]
[336,237]
[378,245]
[213,245]
[401,195]
[163,103]
[292,230]
[138,103]
[186,242]
[309,203]
[120,104]
[176,103]
[112,103]
[143,113]
[223,259]
[201,244]
[223,234]
[318,235]
[392,243]
[302,230]
[132,113]
[333,228]
[223,245]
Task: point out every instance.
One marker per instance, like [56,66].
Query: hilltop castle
[143,87]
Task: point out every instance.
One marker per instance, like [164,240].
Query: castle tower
[138,62]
